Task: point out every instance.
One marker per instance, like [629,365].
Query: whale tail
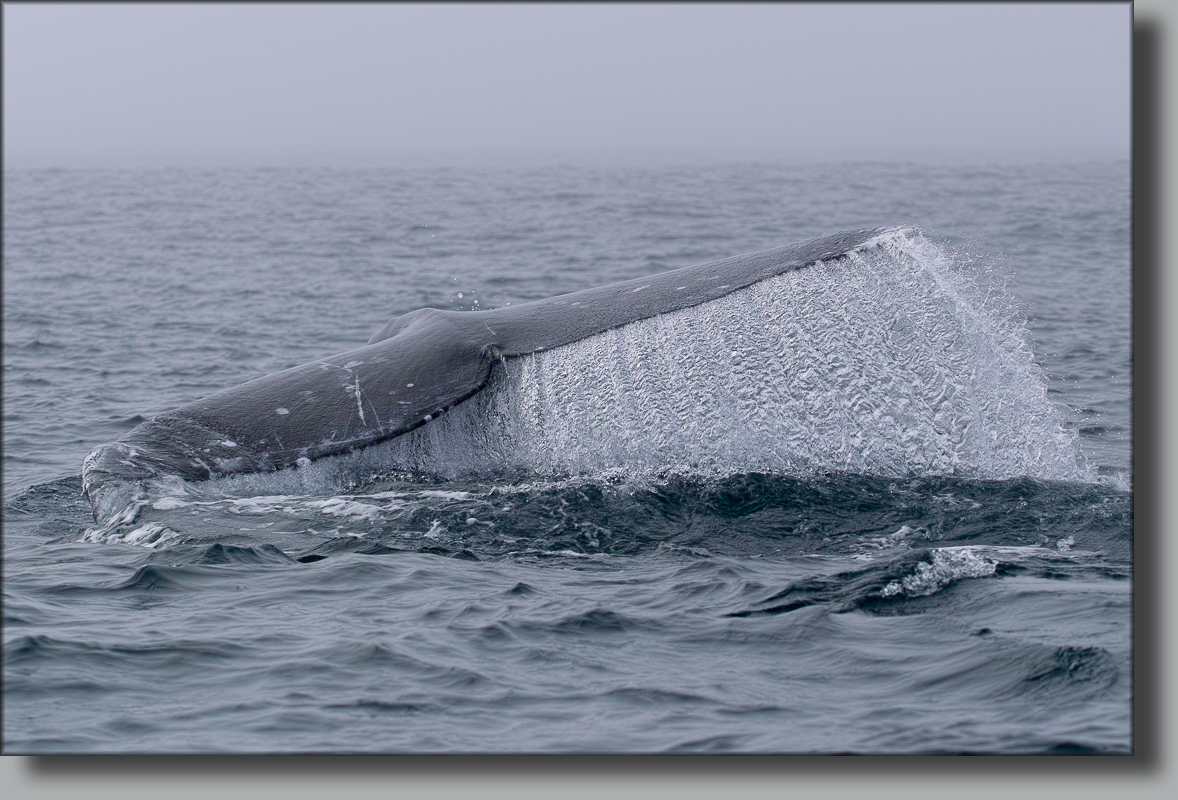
[417,367]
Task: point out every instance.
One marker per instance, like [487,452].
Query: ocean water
[879,505]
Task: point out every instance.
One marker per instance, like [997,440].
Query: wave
[748,514]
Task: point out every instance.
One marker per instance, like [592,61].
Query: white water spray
[885,363]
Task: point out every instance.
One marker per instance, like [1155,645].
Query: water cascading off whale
[415,368]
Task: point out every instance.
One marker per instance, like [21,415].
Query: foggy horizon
[397,85]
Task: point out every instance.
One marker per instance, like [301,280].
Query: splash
[889,362]
[947,565]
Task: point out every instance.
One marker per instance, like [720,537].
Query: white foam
[948,564]
[445,495]
[171,503]
[343,507]
[152,535]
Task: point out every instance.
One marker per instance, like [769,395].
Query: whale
[414,369]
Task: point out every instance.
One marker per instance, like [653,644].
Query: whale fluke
[415,368]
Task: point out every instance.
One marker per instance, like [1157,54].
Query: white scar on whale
[414,369]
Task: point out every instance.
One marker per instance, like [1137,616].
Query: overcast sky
[391,84]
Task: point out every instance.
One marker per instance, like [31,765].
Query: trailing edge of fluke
[415,368]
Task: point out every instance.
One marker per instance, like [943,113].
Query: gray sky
[391,84]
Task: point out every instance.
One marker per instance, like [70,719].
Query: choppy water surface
[882,504]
